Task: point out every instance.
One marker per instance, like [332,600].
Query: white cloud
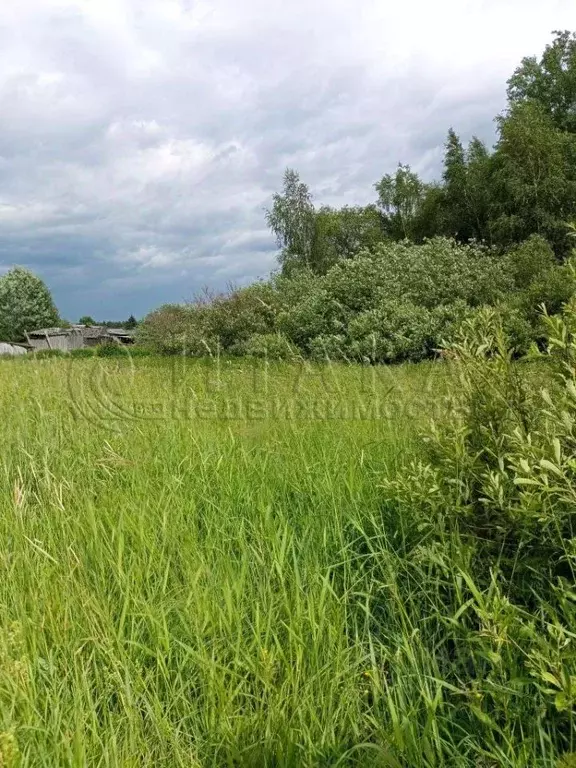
[142,139]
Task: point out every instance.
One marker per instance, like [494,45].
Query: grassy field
[199,567]
[176,577]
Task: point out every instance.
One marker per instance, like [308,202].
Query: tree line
[525,185]
[391,281]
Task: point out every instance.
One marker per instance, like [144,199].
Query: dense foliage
[395,302]
[490,520]
[25,305]
[389,281]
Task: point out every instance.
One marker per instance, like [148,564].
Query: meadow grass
[174,580]
[199,567]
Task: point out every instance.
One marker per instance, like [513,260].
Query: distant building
[121,335]
[63,339]
[77,337]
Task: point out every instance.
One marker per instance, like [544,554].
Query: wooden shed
[63,339]
[77,337]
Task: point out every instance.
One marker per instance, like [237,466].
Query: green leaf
[557,450]
[549,677]
[562,702]
[525,466]
[482,716]
[545,464]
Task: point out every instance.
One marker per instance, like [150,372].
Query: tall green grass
[194,575]
[175,585]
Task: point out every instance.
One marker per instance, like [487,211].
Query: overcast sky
[141,140]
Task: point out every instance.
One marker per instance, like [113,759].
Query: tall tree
[550,81]
[535,177]
[25,304]
[467,189]
[429,219]
[478,188]
[292,220]
[340,233]
[456,218]
[400,197]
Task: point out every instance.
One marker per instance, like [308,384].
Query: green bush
[209,327]
[518,331]
[329,348]
[243,313]
[395,331]
[530,261]
[393,304]
[552,288]
[170,329]
[490,520]
[440,272]
[112,349]
[271,346]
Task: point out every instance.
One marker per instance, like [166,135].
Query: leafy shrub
[491,517]
[173,329]
[516,329]
[438,272]
[394,331]
[308,310]
[210,326]
[271,346]
[447,319]
[241,314]
[392,304]
[357,284]
[552,288]
[441,272]
[329,348]
[530,261]
[111,349]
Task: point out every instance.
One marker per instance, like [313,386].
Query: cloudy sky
[141,140]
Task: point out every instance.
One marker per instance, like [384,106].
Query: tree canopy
[525,185]
[550,81]
[25,304]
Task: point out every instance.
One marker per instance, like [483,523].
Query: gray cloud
[141,140]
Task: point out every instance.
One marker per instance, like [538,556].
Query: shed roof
[51,332]
[93,332]
[119,332]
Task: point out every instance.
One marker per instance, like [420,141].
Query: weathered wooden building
[76,337]
[64,339]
